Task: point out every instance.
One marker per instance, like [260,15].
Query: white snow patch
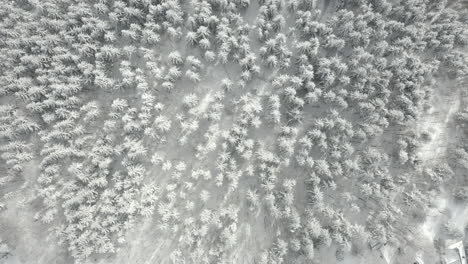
[436,123]
[203,105]
[431,226]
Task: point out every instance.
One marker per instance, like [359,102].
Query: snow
[437,122]
[11,259]
[203,105]
[430,227]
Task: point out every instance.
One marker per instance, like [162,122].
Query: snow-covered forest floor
[232,131]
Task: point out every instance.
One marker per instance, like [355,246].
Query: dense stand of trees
[87,83]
